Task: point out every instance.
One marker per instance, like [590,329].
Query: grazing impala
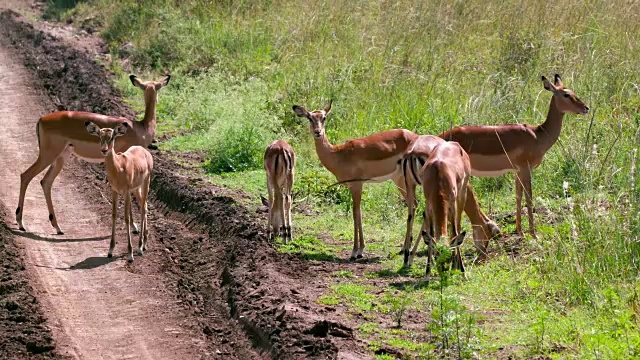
[127,172]
[63,133]
[495,150]
[412,163]
[372,158]
[279,164]
[445,176]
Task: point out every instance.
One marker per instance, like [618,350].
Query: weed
[398,304]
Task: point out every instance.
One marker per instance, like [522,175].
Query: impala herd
[442,165]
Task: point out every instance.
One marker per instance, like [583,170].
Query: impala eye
[566,95]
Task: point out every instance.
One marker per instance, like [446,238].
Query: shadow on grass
[326,257]
[56,8]
[422,283]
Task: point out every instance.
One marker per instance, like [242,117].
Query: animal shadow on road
[33,236]
[93,262]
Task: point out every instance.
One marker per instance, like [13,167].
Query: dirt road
[98,308]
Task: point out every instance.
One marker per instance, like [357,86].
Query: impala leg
[45,158]
[289,200]
[143,213]
[526,182]
[127,222]
[271,208]
[134,226]
[356,196]
[143,207]
[47,183]
[428,239]
[282,214]
[416,244]
[457,263]
[408,238]
[518,203]
[458,221]
[114,213]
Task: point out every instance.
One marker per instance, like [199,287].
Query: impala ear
[548,85]
[136,81]
[300,111]
[92,128]
[558,81]
[327,107]
[120,129]
[164,82]
[458,240]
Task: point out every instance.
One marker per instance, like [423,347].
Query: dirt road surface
[98,308]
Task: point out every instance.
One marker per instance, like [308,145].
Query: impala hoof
[109,255]
[352,258]
[359,256]
[22,228]
[140,252]
[60,232]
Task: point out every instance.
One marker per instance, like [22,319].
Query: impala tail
[438,197]
[411,168]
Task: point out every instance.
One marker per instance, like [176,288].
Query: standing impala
[413,161]
[63,133]
[445,176]
[496,150]
[127,172]
[279,164]
[372,158]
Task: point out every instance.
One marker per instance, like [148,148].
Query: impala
[127,172]
[372,158]
[63,133]
[496,150]
[445,176]
[412,163]
[279,164]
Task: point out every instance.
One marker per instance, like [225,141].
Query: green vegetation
[239,66]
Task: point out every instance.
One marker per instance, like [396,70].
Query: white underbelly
[383,178]
[492,166]
[493,173]
[91,160]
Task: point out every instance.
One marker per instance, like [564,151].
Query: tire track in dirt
[97,307]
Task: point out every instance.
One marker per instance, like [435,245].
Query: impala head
[452,244]
[150,88]
[566,100]
[107,135]
[316,118]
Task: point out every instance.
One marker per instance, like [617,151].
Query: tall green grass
[425,66]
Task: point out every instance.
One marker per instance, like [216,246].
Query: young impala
[127,172]
[445,176]
[372,158]
[412,163]
[63,133]
[496,150]
[279,164]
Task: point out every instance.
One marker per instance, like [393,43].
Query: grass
[426,66]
